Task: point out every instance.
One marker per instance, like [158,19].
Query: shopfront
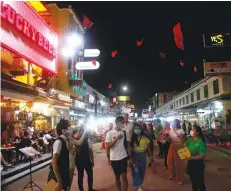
[28,61]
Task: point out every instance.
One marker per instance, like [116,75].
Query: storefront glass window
[215,87]
[198,95]
[206,91]
[192,97]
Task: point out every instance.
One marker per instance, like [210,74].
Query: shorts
[120,166]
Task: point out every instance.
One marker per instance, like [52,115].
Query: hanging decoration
[195,69]
[114,53]
[139,43]
[87,23]
[186,82]
[220,76]
[94,62]
[178,36]
[162,55]
[181,63]
[110,85]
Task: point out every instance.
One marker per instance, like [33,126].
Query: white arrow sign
[91,52]
[90,65]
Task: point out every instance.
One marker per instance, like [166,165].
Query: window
[183,100]
[198,95]
[180,102]
[174,106]
[177,104]
[187,99]
[192,97]
[215,87]
[206,91]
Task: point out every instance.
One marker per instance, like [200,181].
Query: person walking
[166,142]
[196,167]
[175,164]
[110,127]
[120,152]
[158,128]
[84,160]
[151,137]
[140,146]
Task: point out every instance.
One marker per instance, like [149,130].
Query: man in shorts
[120,152]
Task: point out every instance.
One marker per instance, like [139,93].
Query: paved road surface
[218,176]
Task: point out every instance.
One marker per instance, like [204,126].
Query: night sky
[118,25]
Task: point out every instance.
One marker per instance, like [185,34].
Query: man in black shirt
[85,161]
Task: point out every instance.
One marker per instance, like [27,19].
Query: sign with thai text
[217,40]
[26,34]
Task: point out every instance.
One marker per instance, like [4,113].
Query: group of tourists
[128,144]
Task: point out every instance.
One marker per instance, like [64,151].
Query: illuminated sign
[60,95]
[216,68]
[114,99]
[80,104]
[91,52]
[91,99]
[90,65]
[217,40]
[26,34]
[123,98]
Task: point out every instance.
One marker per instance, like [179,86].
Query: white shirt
[129,130]
[30,131]
[118,151]
[46,137]
[57,146]
[175,133]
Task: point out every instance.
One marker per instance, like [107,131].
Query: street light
[125,88]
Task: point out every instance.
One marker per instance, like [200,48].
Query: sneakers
[140,189]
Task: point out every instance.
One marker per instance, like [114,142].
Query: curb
[220,150]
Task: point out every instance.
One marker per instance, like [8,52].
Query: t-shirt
[46,137]
[174,134]
[196,147]
[129,130]
[144,141]
[118,151]
[57,146]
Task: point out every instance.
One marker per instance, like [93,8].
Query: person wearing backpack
[120,152]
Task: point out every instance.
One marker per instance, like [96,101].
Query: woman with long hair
[165,141]
[175,164]
[151,136]
[139,145]
[196,168]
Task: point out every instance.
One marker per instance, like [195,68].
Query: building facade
[206,101]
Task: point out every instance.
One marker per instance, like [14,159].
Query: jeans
[139,159]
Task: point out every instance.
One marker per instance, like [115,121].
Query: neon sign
[23,26]
[25,33]
[217,40]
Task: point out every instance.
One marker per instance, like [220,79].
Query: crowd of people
[128,144]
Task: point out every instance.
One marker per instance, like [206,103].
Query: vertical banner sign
[178,36]
[26,34]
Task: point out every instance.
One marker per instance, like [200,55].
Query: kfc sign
[26,34]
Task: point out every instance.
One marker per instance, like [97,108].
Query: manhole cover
[223,169]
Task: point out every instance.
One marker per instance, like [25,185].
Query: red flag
[178,36]
[220,76]
[195,69]
[87,23]
[139,43]
[114,53]
[94,62]
[110,86]
[181,63]
[162,55]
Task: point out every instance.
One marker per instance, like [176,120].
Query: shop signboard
[123,98]
[217,40]
[217,68]
[24,32]
[88,65]
[79,104]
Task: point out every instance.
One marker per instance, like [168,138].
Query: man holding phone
[116,142]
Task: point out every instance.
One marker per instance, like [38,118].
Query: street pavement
[217,177]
